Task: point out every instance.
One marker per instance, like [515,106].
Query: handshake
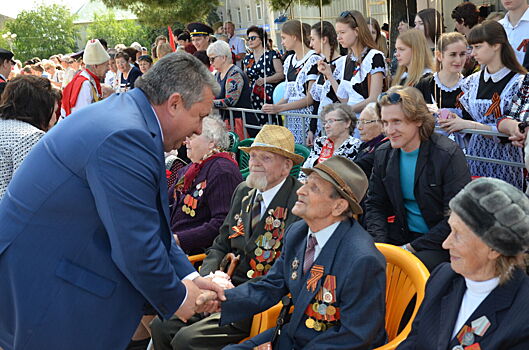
[204,294]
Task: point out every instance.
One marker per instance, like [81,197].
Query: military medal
[294,275]
[309,323]
[480,325]
[468,338]
[458,347]
[295,263]
[331,310]
[250,274]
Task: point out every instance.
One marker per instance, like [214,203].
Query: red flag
[171,38]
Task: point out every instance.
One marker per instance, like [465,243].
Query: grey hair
[215,130]
[371,109]
[344,110]
[220,48]
[180,73]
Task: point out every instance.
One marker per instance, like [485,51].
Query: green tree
[43,31]
[160,13]
[117,31]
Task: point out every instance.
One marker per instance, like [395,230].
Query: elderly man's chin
[257,181]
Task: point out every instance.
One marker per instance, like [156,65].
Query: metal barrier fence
[306,119]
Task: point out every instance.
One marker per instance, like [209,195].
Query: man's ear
[340,207]
[175,102]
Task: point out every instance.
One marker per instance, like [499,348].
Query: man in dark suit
[85,244]
[329,265]
[253,230]
[6,63]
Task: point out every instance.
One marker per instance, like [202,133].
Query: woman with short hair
[200,199]
[234,88]
[27,110]
[128,73]
[479,300]
[339,122]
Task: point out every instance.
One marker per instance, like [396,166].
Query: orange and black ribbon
[523,45]
[458,102]
[330,285]
[494,108]
[237,231]
[316,273]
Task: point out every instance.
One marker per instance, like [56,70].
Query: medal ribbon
[237,231]
[494,108]
[523,45]
[330,285]
[316,273]
[327,151]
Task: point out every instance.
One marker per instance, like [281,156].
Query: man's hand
[207,284]
[188,308]
[208,302]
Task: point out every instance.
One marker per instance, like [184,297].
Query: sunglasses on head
[346,14]
[393,98]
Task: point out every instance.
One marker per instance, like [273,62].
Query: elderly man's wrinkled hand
[208,302]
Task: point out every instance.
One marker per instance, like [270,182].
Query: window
[259,10]
[249,13]
[239,14]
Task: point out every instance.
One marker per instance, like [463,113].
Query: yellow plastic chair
[196,258]
[406,277]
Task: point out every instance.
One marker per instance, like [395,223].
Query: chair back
[406,278]
[302,151]
[234,142]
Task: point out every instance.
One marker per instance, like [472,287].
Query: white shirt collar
[322,236]
[297,63]
[499,75]
[158,121]
[269,195]
[506,20]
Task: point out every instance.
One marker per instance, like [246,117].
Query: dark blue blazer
[85,243]
[359,267]
[506,307]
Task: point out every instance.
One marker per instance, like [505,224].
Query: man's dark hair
[104,43]
[466,13]
[30,99]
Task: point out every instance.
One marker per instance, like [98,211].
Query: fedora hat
[276,139]
[347,177]
[95,53]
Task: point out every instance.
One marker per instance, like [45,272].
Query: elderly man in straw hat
[329,265]
[85,87]
[253,230]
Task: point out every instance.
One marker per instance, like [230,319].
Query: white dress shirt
[322,236]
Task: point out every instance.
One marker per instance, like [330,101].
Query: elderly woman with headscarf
[200,199]
[481,299]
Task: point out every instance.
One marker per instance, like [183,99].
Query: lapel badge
[294,275]
[458,347]
[480,325]
[295,264]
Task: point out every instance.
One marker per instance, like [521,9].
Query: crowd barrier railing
[306,121]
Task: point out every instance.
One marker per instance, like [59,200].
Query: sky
[12,8]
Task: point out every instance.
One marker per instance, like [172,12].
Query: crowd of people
[113,169]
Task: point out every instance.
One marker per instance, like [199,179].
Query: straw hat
[276,139]
[347,177]
[95,53]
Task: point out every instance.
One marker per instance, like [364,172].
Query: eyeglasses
[252,38]
[346,14]
[393,98]
[365,122]
[212,59]
[331,121]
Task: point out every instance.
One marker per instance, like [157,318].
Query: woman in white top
[27,109]
[300,69]
[479,300]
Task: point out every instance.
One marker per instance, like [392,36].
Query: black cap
[199,29]
[77,55]
[7,55]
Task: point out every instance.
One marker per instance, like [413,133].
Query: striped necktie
[309,253]
[256,211]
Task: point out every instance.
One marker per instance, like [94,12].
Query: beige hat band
[261,144]
[344,187]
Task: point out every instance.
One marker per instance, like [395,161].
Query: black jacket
[505,308]
[441,172]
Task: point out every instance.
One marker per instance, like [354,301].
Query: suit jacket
[245,245]
[505,307]
[85,243]
[441,172]
[359,267]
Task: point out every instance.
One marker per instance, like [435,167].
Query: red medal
[327,151]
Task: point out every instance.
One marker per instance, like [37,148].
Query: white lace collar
[443,87]
[424,72]
[499,75]
[297,63]
[362,54]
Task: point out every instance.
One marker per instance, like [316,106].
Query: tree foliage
[283,5]
[160,13]
[117,31]
[43,31]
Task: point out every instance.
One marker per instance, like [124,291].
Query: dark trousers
[199,333]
